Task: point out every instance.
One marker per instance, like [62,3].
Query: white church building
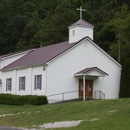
[77,68]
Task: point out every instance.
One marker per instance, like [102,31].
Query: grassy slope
[36,115]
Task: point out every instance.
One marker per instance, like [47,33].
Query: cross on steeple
[81,12]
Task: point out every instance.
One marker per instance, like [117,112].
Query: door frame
[88,88]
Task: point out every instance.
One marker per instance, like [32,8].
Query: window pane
[22,86]
[9,81]
[22,79]
[22,83]
[38,81]
[8,87]
[38,78]
[9,84]
[38,85]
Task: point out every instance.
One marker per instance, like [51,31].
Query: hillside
[92,115]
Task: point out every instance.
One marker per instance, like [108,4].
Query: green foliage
[121,26]
[9,99]
[54,26]
[105,36]
[27,24]
[27,39]
[125,80]
[17,19]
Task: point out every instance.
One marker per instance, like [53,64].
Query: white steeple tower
[80,29]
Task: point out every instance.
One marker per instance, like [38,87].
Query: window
[22,83]
[38,82]
[73,32]
[8,84]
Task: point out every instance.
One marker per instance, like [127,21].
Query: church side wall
[29,75]
[60,72]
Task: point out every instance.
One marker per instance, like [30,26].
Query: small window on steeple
[73,32]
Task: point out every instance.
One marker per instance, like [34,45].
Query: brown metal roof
[82,23]
[41,55]
[86,70]
[45,54]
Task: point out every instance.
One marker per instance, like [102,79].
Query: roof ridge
[81,22]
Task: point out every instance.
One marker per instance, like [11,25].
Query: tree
[17,19]
[54,26]
[125,80]
[121,26]
[27,40]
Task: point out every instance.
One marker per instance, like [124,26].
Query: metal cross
[81,12]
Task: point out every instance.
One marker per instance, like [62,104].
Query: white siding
[29,74]
[79,33]
[95,73]
[38,71]
[60,73]
[5,75]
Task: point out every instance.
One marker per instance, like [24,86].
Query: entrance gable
[92,71]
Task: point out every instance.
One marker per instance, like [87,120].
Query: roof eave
[23,67]
[69,27]
[89,71]
[86,74]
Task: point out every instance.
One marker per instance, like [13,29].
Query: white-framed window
[38,82]
[21,83]
[9,84]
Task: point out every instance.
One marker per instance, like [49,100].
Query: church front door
[88,88]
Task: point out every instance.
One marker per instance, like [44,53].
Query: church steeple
[80,29]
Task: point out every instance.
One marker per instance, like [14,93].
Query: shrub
[9,99]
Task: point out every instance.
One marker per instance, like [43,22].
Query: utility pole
[119,49]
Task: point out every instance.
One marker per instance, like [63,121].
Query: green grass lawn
[112,115]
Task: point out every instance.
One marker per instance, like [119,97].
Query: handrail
[61,94]
[100,94]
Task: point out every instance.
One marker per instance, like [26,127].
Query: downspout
[46,83]
[15,81]
[31,80]
[45,69]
